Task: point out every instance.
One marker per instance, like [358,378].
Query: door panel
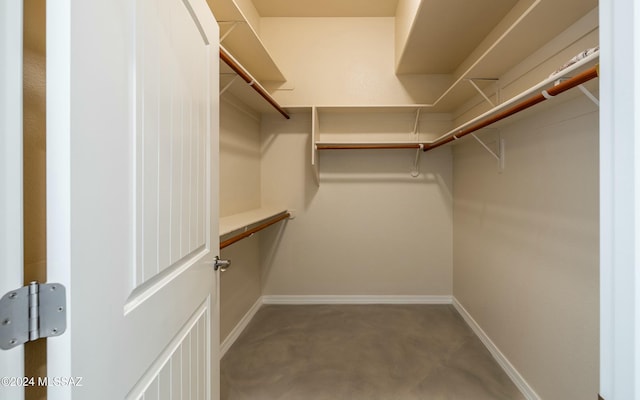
[11,231]
[134,197]
[182,367]
[172,71]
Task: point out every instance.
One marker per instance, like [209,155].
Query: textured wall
[239,191]
[368,229]
[336,61]
[526,246]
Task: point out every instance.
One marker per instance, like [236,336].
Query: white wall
[239,191]
[239,159]
[526,246]
[368,229]
[336,61]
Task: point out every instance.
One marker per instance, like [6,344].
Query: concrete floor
[361,352]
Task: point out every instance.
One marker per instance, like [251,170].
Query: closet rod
[367,146]
[235,66]
[253,230]
[530,102]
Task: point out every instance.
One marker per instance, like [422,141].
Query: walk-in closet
[409,154]
[337,199]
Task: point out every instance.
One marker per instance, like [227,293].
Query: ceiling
[326,8]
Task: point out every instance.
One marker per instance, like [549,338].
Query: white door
[132,189]
[11,236]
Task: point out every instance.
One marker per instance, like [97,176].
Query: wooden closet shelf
[250,80]
[248,223]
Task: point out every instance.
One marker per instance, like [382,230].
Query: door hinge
[32,312]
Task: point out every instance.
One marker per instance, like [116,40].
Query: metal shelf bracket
[482,93]
[228,85]
[234,24]
[499,156]
[589,95]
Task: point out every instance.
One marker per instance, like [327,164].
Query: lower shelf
[236,227]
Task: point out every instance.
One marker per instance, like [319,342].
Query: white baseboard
[510,370]
[240,326]
[300,300]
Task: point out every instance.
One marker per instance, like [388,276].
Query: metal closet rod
[253,230]
[238,69]
[562,87]
[454,135]
[389,146]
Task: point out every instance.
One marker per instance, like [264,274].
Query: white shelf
[243,42]
[375,108]
[236,222]
[243,92]
[547,88]
[371,125]
[247,47]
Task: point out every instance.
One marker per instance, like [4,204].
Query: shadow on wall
[383,166]
[269,244]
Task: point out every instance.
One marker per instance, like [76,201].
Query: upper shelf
[517,37]
[572,76]
[241,39]
[228,62]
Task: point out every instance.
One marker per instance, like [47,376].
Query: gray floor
[367,352]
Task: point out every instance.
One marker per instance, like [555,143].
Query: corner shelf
[243,46]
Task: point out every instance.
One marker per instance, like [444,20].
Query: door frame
[619,204]
[58,100]
[619,200]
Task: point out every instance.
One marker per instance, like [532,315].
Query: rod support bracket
[499,155]
[589,95]
[234,24]
[415,172]
[228,85]
[480,91]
